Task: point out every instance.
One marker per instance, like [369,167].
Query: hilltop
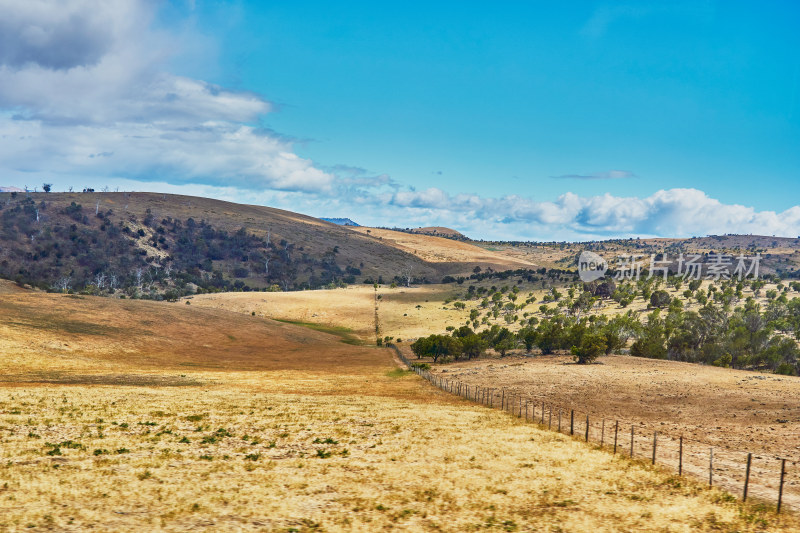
[439,231]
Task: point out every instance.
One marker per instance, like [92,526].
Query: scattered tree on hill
[660,298]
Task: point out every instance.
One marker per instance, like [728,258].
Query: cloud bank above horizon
[86,94]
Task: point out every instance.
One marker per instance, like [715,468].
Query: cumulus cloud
[672,212]
[57,36]
[85,91]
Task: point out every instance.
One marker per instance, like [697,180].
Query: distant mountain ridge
[340,221]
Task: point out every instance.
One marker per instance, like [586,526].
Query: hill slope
[50,336]
[148,243]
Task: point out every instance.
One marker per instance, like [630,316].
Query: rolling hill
[154,244]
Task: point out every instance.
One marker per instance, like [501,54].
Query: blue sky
[500,98]
[513,119]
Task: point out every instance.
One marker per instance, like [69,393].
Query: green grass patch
[345,334]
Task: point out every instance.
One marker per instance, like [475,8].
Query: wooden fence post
[616,432]
[559,420]
[680,456]
[572,421]
[631,440]
[780,487]
[587,428]
[550,418]
[503,400]
[710,467]
[655,441]
[747,476]
[542,413]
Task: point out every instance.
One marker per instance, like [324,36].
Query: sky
[503,120]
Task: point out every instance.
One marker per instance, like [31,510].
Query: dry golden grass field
[433,249]
[733,411]
[129,415]
[350,309]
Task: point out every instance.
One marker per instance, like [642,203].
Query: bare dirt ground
[729,408]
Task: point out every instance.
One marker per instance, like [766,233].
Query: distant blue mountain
[340,221]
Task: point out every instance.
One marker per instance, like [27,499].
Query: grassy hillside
[53,335]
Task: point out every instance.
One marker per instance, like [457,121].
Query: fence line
[768,478]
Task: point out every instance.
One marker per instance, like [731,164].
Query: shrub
[592,346]
[660,299]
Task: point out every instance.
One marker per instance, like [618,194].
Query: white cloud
[83,78]
[58,35]
[672,212]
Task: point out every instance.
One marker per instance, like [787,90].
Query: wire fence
[766,478]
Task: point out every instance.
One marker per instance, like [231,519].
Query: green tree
[651,341]
[435,346]
[528,336]
[473,346]
[660,298]
[619,330]
[504,341]
[592,346]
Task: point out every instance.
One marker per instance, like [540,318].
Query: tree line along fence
[762,477]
